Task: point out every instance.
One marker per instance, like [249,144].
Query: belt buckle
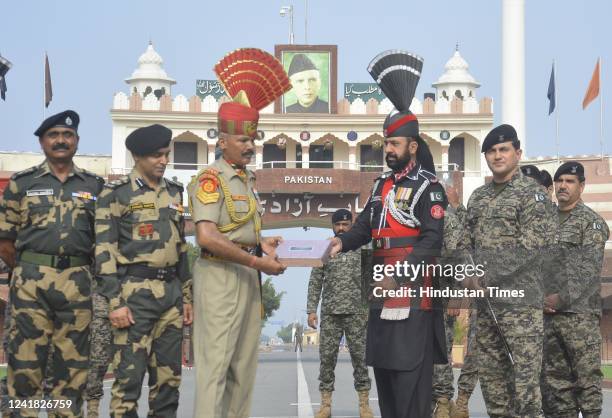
[63,262]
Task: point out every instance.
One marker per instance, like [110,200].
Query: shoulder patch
[436,196]
[24,172]
[539,197]
[118,182]
[597,225]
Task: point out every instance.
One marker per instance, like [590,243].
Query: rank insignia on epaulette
[84,195]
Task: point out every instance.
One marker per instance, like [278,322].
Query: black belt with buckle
[393,242]
[146,272]
[251,249]
[60,262]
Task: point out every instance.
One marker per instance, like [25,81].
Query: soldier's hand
[270,265]
[336,246]
[452,196]
[121,318]
[313,320]
[269,244]
[187,313]
[551,303]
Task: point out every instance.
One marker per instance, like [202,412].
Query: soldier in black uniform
[404,219]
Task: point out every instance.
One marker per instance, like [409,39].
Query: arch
[468,146]
[271,152]
[339,152]
[188,151]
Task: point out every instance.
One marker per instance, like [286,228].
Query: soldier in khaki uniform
[571,367]
[48,212]
[227,286]
[142,271]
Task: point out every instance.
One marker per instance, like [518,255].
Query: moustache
[60,146]
[247,154]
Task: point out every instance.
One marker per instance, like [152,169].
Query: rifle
[497,326]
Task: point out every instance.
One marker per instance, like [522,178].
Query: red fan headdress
[253,79]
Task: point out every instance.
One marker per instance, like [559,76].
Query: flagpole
[44,86]
[556,111]
[601,134]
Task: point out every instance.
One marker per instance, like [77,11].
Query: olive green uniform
[52,224]
[141,263]
[227,300]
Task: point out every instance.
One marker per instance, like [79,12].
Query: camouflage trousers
[442,384]
[353,326]
[511,391]
[100,355]
[571,369]
[153,344]
[469,371]
[49,307]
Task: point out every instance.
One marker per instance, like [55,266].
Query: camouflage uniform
[453,233]
[510,230]
[227,295]
[571,374]
[469,371]
[100,355]
[141,263]
[52,225]
[339,285]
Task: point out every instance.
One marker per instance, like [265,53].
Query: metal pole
[601,105]
[306,22]
[556,111]
[291,25]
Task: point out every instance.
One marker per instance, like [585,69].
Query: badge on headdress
[68,121]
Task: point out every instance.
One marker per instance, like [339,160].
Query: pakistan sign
[209,88]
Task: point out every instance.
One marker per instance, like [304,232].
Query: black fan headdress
[398,73]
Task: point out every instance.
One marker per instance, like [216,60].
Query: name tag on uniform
[141,206]
[84,195]
[40,192]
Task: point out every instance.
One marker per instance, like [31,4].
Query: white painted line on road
[304,405]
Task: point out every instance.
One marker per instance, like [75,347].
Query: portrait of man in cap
[309,75]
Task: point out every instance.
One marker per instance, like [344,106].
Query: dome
[150,68]
[456,71]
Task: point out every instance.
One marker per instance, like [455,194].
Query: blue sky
[94,47]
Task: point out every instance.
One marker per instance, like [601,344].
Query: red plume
[260,75]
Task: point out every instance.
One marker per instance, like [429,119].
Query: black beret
[67,118]
[299,63]
[547,180]
[342,215]
[570,167]
[533,172]
[149,139]
[502,133]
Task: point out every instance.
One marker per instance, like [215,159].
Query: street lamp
[283,12]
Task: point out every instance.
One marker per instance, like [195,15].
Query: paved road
[287,386]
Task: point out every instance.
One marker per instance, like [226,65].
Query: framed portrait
[312,70]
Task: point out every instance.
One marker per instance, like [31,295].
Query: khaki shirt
[46,216]
[136,224]
[241,190]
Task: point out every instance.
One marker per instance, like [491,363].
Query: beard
[397,163]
